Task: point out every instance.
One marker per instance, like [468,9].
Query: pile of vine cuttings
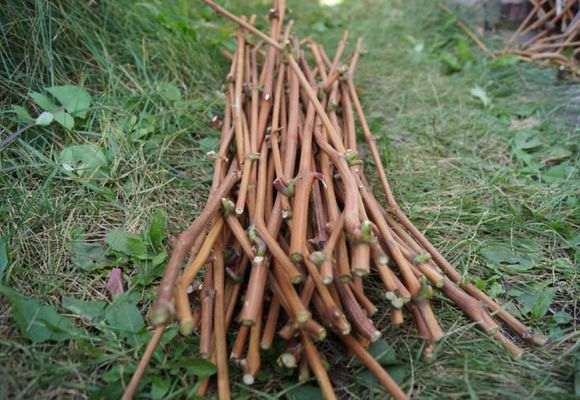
[292,231]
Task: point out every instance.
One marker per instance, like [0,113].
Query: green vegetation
[482,153]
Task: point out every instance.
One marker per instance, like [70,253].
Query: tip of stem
[515,351]
[297,279]
[287,360]
[421,258]
[265,346]
[405,299]
[296,257]
[227,206]
[376,335]
[429,353]
[360,272]
[490,329]
[161,314]
[383,260]
[248,379]
[248,322]
[538,339]
[159,318]
[345,278]
[302,317]
[317,257]
[327,280]
[516,355]
[239,211]
[366,230]
[186,327]
[347,330]
[397,302]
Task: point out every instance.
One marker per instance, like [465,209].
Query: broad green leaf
[558,173]
[479,283]
[123,315]
[169,334]
[127,243]
[481,94]
[22,114]
[43,101]
[3,256]
[527,140]
[159,258]
[527,159]
[64,118]
[149,270]
[159,388]
[383,352]
[545,299]
[157,231]
[39,322]
[500,254]
[169,92]
[115,374]
[557,154]
[536,301]
[84,160]
[86,309]
[75,99]
[305,392]
[44,119]
[555,332]
[89,256]
[495,290]
[398,372]
[209,143]
[199,367]
[562,318]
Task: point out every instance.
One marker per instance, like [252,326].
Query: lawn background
[483,156]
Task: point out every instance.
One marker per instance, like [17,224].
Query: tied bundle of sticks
[292,230]
[554,27]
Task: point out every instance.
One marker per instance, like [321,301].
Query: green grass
[501,203]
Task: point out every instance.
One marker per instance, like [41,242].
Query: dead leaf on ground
[526,123]
[115,282]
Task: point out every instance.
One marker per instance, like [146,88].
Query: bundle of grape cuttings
[292,230]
